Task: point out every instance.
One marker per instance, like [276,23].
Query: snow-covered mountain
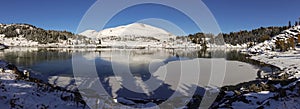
[131,31]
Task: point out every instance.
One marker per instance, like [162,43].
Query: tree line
[254,36]
[251,37]
[33,33]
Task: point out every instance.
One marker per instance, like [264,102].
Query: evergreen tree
[291,43]
[280,44]
[290,24]
[298,39]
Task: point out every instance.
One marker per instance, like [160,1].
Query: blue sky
[232,15]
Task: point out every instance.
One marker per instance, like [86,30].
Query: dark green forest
[33,33]
[241,37]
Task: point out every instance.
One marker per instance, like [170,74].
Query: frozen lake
[149,73]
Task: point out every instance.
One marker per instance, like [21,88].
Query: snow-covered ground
[285,96]
[17,93]
[284,60]
[288,61]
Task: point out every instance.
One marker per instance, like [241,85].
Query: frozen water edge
[288,62]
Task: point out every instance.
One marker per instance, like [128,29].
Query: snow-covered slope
[90,33]
[268,45]
[132,31]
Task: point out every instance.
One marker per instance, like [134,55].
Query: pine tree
[290,24]
[291,43]
[298,39]
[280,44]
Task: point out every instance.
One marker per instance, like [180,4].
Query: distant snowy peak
[131,30]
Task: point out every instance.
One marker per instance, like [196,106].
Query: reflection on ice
[145,73]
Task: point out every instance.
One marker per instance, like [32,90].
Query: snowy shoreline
[277,90]
[19,91]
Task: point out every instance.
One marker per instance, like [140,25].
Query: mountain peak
[131,30]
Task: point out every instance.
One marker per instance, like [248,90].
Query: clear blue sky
[232,15]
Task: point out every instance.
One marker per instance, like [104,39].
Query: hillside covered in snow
[288,38]
[131,32]
[26,35]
